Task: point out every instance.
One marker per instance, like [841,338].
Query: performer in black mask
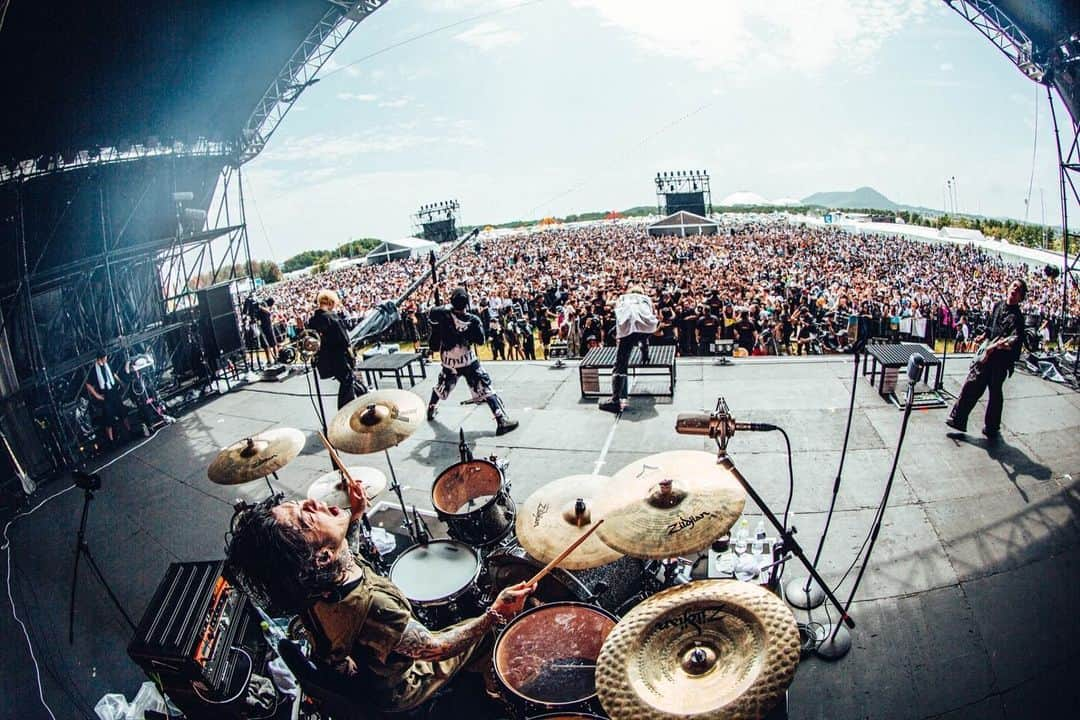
[454,332]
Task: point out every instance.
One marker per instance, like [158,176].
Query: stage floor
[969,609]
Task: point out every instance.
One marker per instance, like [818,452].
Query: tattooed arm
[420,643]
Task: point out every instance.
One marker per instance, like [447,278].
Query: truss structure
[1006,35]
[299,72]
[680,184]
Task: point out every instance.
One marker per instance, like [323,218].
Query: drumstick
[340,465]
[562,556]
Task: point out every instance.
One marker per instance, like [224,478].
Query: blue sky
[563,106]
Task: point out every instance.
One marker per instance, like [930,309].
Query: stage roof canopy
[86,75]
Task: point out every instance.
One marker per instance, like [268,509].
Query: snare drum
[440,581]
[545,659]
[474,502]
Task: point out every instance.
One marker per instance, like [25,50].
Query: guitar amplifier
[190,631]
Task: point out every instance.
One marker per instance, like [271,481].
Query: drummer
[295,557]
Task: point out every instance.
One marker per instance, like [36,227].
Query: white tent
[684,223]
[399,250]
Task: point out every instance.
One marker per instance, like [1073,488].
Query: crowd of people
[771,288]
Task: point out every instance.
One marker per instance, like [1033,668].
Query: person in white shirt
[635,322]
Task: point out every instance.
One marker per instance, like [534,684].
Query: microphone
[915,366]
[715,423]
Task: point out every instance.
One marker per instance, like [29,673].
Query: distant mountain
[864,197]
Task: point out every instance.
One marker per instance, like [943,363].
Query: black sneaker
[611,406]
[959,427]
[991,433]
[505,425]
[432,410]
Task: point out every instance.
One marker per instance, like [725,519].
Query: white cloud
[332,65]
[946,67]
[488,36]
[339,148]
[399,102]
[804,37]
[359,97]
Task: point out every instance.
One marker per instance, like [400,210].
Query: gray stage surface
[969,609]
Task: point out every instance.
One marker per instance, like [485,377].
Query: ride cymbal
[376,421]
[551,519]
[256,457]
[668,504]
[711,649]
[329,488]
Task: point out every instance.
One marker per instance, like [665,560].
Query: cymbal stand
[267,479]
[787,536]
[406,522]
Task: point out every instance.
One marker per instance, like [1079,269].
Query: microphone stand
[787,536]
[804,594]
[838,641]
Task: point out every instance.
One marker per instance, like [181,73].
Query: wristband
[496,616]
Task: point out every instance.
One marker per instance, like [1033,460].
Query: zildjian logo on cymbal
[692,618]
[686,522]
[541,510]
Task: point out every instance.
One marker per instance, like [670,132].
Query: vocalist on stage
[335,359]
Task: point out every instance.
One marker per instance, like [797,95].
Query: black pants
[622,361]
[345,392]
[981,378]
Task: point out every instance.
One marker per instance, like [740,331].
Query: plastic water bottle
[759,538]
[742,536]
[272,633]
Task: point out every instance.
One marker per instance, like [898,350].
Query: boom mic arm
[719,425]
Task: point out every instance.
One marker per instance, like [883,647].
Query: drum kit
[612,628]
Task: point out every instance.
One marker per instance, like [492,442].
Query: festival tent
[399,250]
[684,223]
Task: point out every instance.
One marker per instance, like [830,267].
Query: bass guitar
[989,347]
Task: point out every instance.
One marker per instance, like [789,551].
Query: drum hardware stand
[799,592]
[406,521]
[721,430]
[838,641]
[423,534]
[89,483]
[463,447]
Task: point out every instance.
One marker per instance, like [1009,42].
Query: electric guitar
[989,347]
[28,484]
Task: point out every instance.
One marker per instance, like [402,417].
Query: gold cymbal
[669,504]
[711,649]
[328,488]
[376,421]
[550,520]
[256,457]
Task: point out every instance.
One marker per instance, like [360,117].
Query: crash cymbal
[711,649]
[256,457]
[328,488]
[669,504]
[376,421]
[550,520]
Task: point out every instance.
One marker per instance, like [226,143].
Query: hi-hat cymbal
[256,457]
[711,649]
[669,504]
[551,519]
[376,421]
[328,488]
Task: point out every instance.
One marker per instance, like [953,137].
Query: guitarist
[1002,342]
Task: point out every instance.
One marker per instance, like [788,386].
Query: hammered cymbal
[710,649]
[376,421]
[669,504]
[328,488]
[256,457]
[550,520]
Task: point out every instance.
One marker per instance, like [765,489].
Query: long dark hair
[274,562]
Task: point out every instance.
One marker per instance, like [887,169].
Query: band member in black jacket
[335,359]
[454,332]
[1004,338]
